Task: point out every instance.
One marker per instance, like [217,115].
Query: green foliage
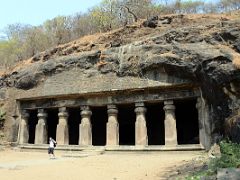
[9,52]
[198,175]
[230,158]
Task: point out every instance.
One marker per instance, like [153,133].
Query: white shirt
[51,143]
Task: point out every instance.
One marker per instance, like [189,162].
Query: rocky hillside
[202,48]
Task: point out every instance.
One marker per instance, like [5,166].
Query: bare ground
[109,166]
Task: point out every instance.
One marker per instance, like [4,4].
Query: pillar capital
[85,108]
[168,105]
[112,110]
[111,106]
[63,113]
[25,114]
[139,104]
[62,109]
[86,112]
[168,102]
[140,108]
[41,113]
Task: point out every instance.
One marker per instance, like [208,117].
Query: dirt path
[109,166]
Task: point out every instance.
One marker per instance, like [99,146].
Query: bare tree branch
[130,12]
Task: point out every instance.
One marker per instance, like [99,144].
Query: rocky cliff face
[202,48]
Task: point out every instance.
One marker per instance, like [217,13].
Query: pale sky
[35,12]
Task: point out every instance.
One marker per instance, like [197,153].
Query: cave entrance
[32,122]
[52,122]
[74,120]
[155,123]
[99,120]
[126,119]
[187,121]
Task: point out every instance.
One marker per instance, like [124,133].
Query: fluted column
[41,128]
[24,133]
[85,134]
[112,126]
[62,127]
[140,125]
[170,124]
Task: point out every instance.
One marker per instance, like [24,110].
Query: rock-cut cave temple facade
[104,110]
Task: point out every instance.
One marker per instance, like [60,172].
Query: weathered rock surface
[201,49]
[228,173]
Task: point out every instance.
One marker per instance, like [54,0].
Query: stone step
[84,153]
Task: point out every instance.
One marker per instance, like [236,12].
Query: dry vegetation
[24,41]
[208,23]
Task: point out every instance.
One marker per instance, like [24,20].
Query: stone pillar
[24,133]
[170,124]
[62,127]
[41,128]
[85,134]
[112,126]
[203,123]
[140,125]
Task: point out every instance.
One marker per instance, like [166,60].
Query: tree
[9,53]
[104,16]
[210,8]
[132,10]
[188,6]
[35,41]
[58,30]
[229,5]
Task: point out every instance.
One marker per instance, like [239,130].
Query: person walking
[52,145]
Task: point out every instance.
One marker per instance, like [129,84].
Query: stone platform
[192,147]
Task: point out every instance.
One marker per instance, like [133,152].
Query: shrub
[230,158]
